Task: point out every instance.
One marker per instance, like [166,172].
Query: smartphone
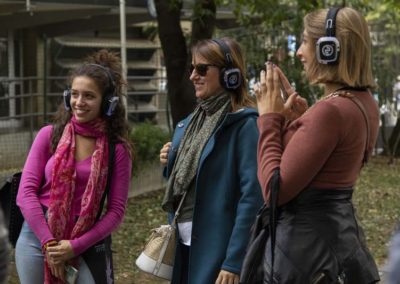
[71,274]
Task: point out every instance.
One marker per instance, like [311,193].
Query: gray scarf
[206,117]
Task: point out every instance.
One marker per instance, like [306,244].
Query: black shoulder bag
[99,256]
[12,214]
[263,228]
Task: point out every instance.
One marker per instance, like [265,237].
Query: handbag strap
[273,216]
[360,105]
[178,209]
[111,154]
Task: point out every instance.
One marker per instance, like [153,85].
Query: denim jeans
[4,259]
[30,260]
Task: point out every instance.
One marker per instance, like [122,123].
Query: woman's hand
[268,94]
[60,253]
[226,277]
[164,153]
[58,270]
[298,106]
[268,91]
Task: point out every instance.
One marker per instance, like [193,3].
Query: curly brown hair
[109,80]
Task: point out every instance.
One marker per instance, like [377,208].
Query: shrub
[147,139]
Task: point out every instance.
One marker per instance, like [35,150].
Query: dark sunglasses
[201,69]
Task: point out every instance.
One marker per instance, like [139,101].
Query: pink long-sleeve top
[33,195]
[321,149]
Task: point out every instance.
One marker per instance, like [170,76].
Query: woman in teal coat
[212,158]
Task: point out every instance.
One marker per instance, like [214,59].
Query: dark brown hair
[117,125]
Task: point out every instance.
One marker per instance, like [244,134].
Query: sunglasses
[201,69]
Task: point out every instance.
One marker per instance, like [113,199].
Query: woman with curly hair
[66,176]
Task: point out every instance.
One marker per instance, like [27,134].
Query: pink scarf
[61,221]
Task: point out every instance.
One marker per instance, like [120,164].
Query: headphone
[328,47]
[109,102]
[230,78]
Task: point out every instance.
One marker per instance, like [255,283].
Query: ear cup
[67,99]
[231,78]
[328,50]
[109,104]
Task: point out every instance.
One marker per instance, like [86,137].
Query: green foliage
[147,139]
[265,25]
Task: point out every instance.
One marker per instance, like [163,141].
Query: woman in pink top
[66,175]
[309,159]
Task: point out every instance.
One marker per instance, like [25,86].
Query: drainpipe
[123,51]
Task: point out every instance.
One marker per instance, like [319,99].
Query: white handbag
[157,257]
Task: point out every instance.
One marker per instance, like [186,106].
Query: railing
[26,104]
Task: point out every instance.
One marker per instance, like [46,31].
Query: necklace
[338,93]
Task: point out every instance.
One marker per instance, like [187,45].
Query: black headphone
[109,102]
[230,78]
[328,47]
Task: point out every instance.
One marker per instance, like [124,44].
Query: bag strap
[178,209]
[111,154]
[273,216]
[361,107]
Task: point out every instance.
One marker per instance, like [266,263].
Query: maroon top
[324,148]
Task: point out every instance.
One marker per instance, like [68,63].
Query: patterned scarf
[61,221]
[206,117]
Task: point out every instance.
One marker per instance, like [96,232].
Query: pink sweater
[322,149]
[32,196]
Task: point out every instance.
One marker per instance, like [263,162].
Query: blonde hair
[211,51]
[354,67]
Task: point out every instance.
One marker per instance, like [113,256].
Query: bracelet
[49,244]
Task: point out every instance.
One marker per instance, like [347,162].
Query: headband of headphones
[328,46]
[108,73]
[226,51]
[330,22]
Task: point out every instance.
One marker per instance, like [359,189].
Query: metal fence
[29,103]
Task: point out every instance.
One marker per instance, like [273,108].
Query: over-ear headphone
[328,47]
[230,77]
[110,100]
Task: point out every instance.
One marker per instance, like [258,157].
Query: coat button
[180,125]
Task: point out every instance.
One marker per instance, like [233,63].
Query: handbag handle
[111,154]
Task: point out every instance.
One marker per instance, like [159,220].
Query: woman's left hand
[61,252]
[268,92]
[226,277]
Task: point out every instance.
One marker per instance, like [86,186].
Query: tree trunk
[204,18]
[177,59]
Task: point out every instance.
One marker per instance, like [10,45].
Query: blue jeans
[30,260]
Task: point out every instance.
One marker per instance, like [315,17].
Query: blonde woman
[312,157]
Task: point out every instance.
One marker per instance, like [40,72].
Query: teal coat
[227,197]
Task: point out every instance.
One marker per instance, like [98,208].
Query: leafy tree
[263,30]
[176,54]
